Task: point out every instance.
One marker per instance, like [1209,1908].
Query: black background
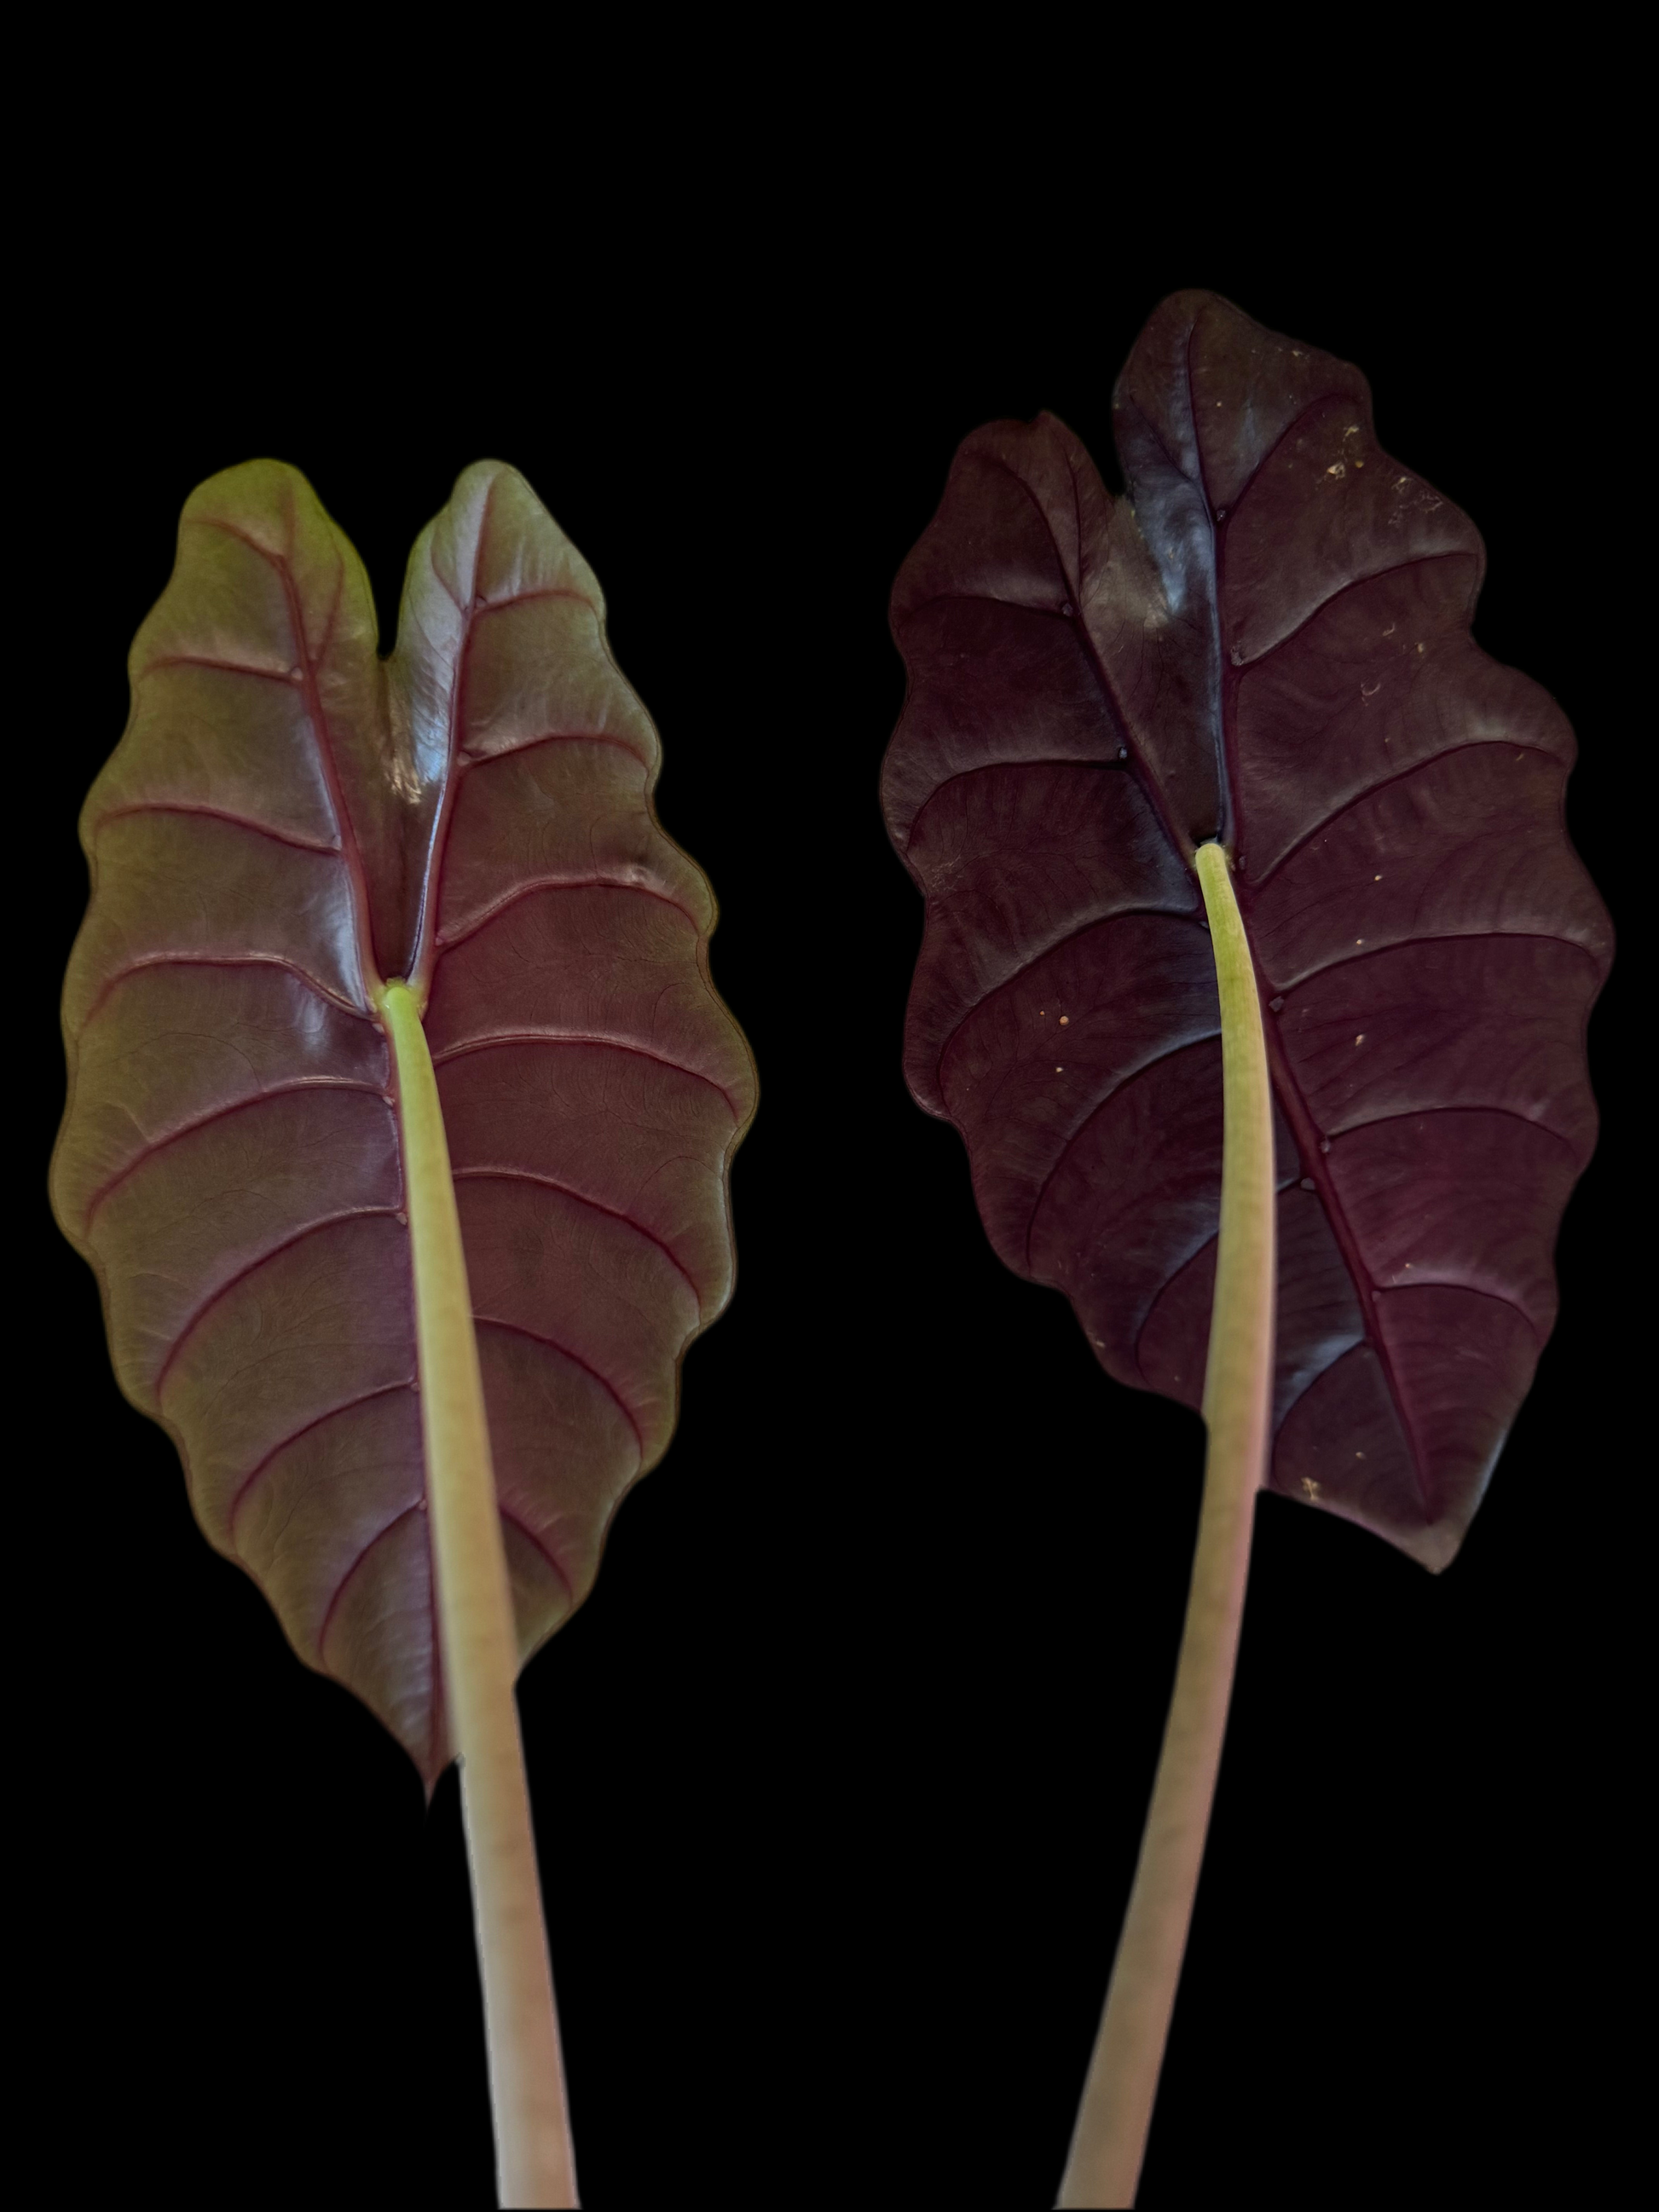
[839,1775]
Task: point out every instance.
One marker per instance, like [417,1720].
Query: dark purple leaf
[1267,641]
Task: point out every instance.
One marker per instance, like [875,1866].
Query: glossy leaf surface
[289,823]
[1268,640]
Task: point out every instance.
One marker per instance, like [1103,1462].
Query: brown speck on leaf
[1060,1071]
[1336,468]
[1310,1485]
[1360,1039]
[1376,879]
[1065,1020]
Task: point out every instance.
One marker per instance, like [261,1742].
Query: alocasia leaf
[1266,642]
[288,823]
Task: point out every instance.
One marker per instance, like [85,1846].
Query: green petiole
[535,2166]
[1109,2143]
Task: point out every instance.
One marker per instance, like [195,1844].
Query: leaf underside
[1267,641]
[288,822]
